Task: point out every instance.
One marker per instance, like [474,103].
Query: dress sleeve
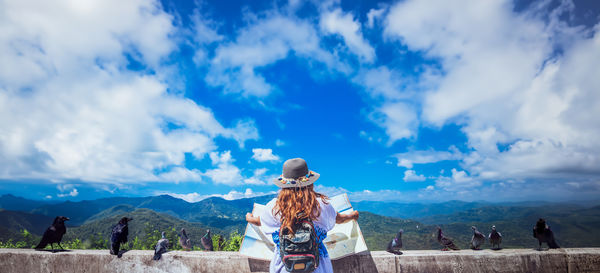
[328,214]
[268,222]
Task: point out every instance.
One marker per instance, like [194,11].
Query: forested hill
[82,211]
[574,226]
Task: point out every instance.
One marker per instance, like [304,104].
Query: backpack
[299,251]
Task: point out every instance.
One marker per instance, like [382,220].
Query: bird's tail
[453,247]
[157,256]
[115,249]
[553,244]
[41,245]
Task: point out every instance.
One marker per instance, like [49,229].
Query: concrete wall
[506,260]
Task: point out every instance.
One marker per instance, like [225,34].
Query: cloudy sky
[409,100]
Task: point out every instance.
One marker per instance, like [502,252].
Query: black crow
[184,241]
[207,241]
[544,234]
[445,241]
[161,247]
[119,235]
[477,240]
[395,244]
[54,233]
[495,238]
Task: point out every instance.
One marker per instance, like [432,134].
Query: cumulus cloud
[343,24]
[330,191]
[260,177]
[262,155]
[72,193]
[499,75]
[225,172]
[70,108]
[411,176]
[408,159]
[374,15]
[262,43]
[232,195]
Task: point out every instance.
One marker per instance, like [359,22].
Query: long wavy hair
[293,201]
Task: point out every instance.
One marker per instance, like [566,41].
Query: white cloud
[381,82]
[204,33]
[48,197]
[374,15]
[329,191]
[411,176]
[226,172]
[410,158]
[229,174]
[263,155]
[232,195]
[379,195]
[399,120]
[279,143]
[500,77]
[459,180]
[69,108]
[72,193]
[261,43]
[343,24]
[259,177]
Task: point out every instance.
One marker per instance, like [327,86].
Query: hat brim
[298,184]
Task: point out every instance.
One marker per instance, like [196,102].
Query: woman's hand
[343,218]
[255,220]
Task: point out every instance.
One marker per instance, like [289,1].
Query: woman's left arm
[343,218]
[255,220]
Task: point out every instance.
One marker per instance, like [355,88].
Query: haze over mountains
[575,225]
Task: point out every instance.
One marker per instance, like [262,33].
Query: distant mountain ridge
[11,202]
[213,209]
[574,226]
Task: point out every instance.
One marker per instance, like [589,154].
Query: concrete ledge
[506,260]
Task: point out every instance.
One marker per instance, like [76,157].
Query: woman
[297,196]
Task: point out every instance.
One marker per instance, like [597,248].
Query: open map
[343,240]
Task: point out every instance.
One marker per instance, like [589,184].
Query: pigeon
[495,238]
[54,233]
[477,240]
[184,241]
[161,247]
[445,241]
[207,241]
[544,234]
[396,244]
[119,235]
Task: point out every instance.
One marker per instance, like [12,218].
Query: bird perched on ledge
[54,233]
[161,247]
[495,238]
[477,240]
[396,244]
[206,241]
[445,241]
[119,235]
[184,241]
[544,234]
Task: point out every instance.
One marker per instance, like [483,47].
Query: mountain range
[574,225]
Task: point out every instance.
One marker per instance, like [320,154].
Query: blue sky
[387,100]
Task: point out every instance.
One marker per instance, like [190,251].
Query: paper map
[343,240]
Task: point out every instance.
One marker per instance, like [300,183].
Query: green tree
[234,242]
